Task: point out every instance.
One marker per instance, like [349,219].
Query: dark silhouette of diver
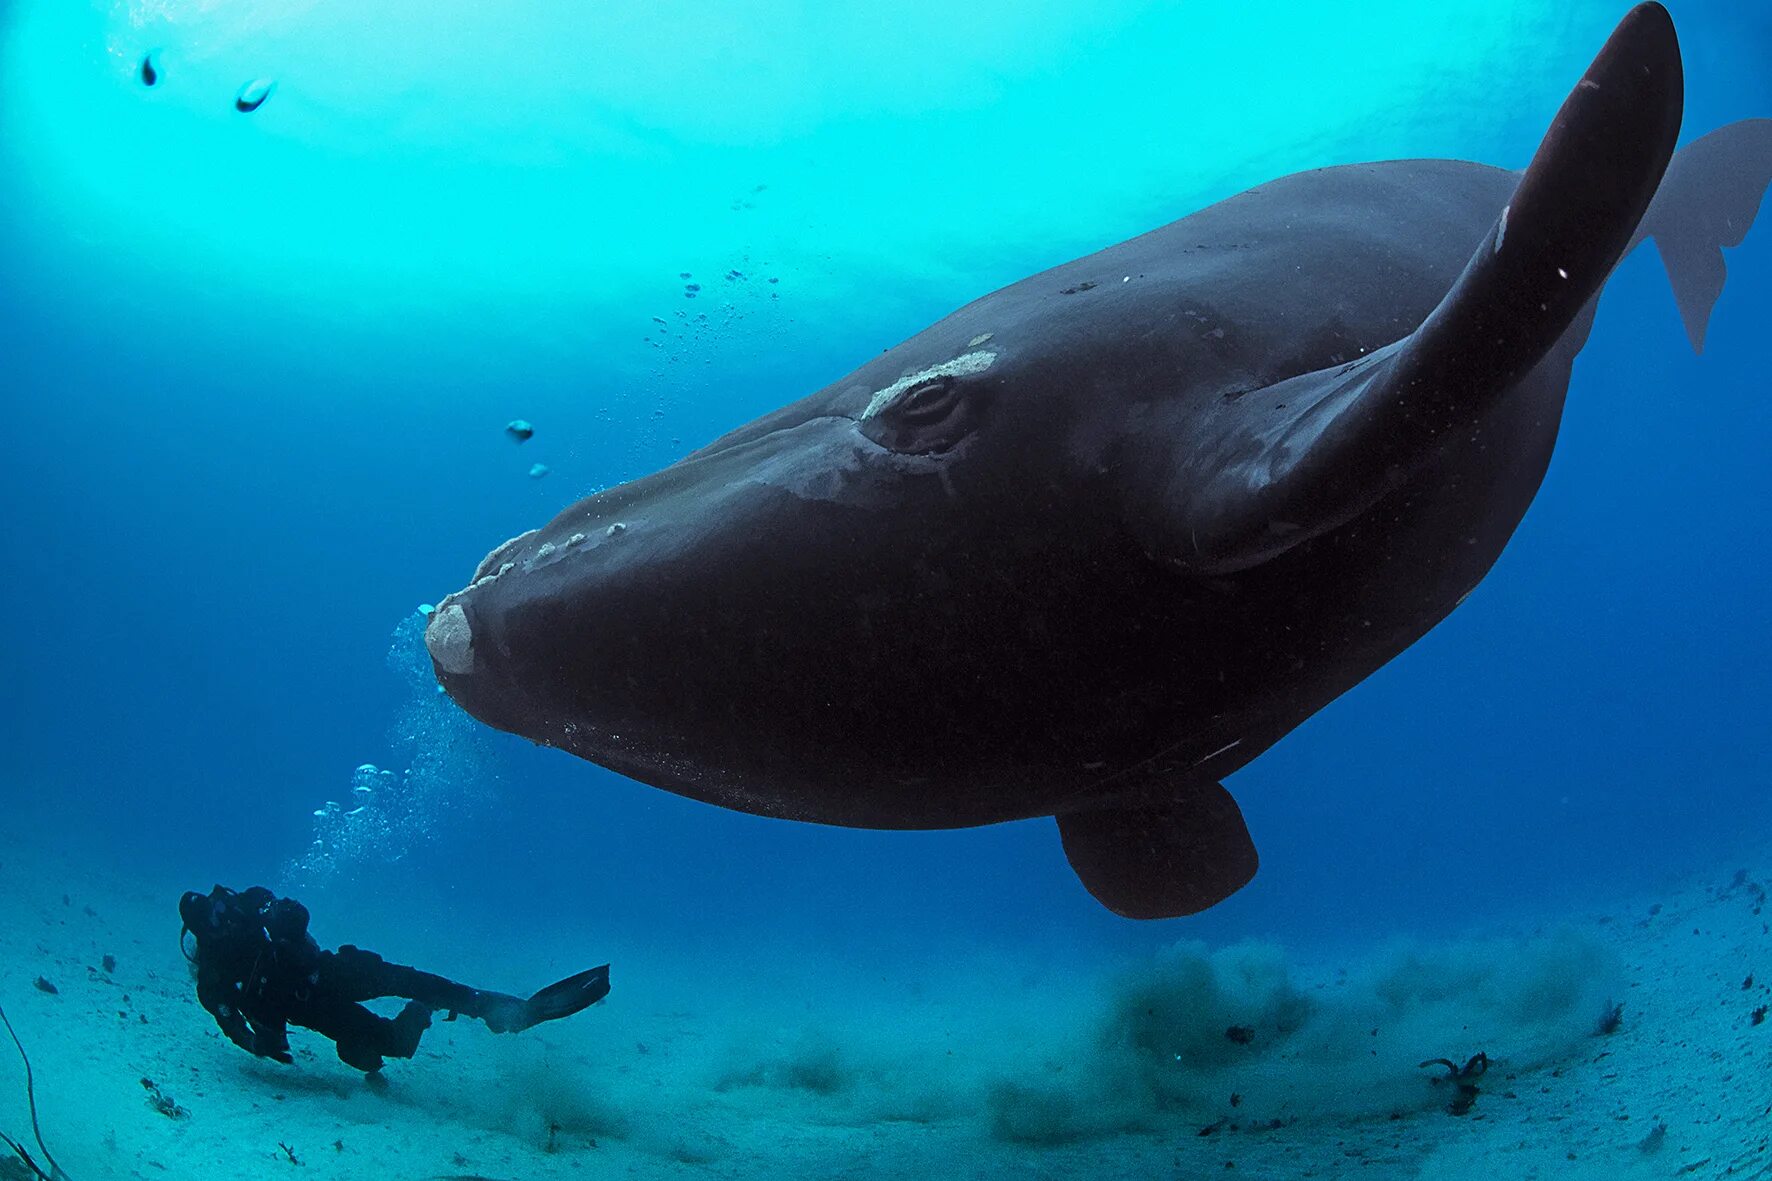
[259,972]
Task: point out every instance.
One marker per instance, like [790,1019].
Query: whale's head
[821,614]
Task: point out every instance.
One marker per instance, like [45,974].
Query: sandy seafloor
[783,1066]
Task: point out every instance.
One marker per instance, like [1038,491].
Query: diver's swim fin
[566,997]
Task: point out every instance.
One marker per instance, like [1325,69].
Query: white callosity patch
[501,551]
[504,569]
[450,639]
[961,366]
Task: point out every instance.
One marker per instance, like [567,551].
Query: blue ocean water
[257,369]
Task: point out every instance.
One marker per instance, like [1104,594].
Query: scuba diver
[259,972]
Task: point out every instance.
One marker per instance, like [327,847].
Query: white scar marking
[1501,230]
[961,366]
[979,339]
[1219,751]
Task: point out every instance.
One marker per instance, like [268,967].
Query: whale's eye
[930,416]
[929,403]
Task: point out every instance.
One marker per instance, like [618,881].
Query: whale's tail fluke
[1708,200]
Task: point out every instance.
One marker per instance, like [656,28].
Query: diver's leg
[363,1037]
[359,975]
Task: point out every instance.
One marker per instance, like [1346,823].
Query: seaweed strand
[19,1150]
[55,1173]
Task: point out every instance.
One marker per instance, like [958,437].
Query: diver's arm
[217,994]
[270,1039]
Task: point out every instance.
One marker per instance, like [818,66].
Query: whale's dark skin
[1097,540]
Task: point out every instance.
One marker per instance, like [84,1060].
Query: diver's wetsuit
[259,972]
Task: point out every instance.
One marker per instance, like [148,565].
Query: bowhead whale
[1097,540]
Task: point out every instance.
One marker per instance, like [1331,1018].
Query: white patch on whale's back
[961,366]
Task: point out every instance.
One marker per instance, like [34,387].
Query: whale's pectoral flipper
[1159,861]
[1327,445]
[1707,201]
